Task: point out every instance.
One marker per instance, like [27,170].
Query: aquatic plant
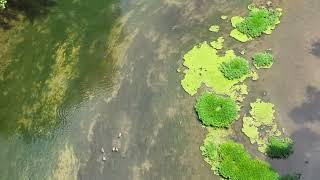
[224,17]
[235,68]
[203,67]
[209,149]
[262,115]
[218,44]
[216,111]
[3,4]
[214,28]
[263,60]
[279,147]
[260,20]
[236,163]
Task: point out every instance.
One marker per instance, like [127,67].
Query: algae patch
[209,149]
[203,64]
[260,126]
[260,21]
[218,44]
[214,28]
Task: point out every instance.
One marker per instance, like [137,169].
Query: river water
[75,77]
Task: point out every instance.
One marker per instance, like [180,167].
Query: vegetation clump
[3,4]
[235,68]
[279,147]
[260,20]
[203,64]
[263,60]
[216,111]
[214,28]
[236,163]
[209,149]
[262,117]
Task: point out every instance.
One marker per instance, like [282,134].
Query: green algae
[263,60]
[203,67]
[217,156]
[260,20]
[209,149]
[239,36]
[261,125]
[224,17]
[214,28]
[218,44]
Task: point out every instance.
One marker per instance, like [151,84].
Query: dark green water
[57,63]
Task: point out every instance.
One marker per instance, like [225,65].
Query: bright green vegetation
[223,17]
[218,44]
[236,68]
[214,28]
[236,163]
[216,111]
[279,147]
[203,64]
[260,20]
[262,116]
[209,149]
[237,34]
[3,4]
[263,60]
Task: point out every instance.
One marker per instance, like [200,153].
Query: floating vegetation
[209,149]
[203,64]
[260,20]
[223,17]
[263,60]
[3,4]
[279,148]
[218,44]
[260,122]
[236,68]
[236,163]
[216,111]
[214,28]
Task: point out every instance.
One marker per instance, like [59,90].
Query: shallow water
[73,79]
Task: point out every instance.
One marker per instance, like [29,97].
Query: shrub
[263,60]
[236,163]
[235,68]
[279,147]
[258,21]
[217,111]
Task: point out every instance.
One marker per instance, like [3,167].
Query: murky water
[87,70]
[76,77]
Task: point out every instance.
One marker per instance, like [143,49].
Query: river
[76,76]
